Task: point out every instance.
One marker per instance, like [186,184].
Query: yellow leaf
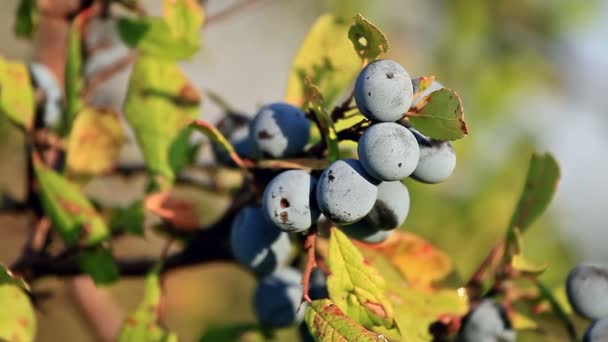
[327,57]
[95,142]
[416,259]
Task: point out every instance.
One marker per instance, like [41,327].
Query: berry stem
[311,262]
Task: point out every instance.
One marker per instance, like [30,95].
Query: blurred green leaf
[7,277]
[129,219]
[245,332]
[541,183]
[326,56]
[314,101]
[27,19]
[356,287]
[74,78]
[175,36]
[160,105]
[439,115]
[143,325]
[369,42]
[185,19]
[16,93]
[326,322]
[99,264]
[71,213]
[17,318]
[95,142]
[216,137]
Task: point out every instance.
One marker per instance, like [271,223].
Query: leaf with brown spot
[369,42]
[439,115]
[419,262]
[95,142]
[16,93]
[72,215]
[326,322]
[357,288]
[17,318]
[143,324]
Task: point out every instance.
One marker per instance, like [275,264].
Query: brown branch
[475,283]
[107,73]
[229,11]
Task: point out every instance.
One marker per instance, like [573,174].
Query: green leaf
[218,139]
[541,183]
[74,77]
[246,332]
[326,322]
[156,37]
[314,101]
[72,215]
[326,56]
[95,142]
[356,287]
[185,19]
[27,19]
[16,93]
[99,264]
[160,104]
[143,325]
[439,115]
[7,277]
[522,264]
[17,318]
[367,39]
[129,219]
[416,310]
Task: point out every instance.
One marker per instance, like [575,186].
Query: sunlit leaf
[175,36]
[71,213]
[417,260]
[219,139]
[143,325]
[185,18]
[74,75]
[95,142]
[523,322]
[129,219]
[327,57]
[326,322]
[313,100]
[17,319]
[356,287]
[416,310]
[27,19]
[439,115]
[369,42]
[16,93]
[160,104]
[7,277]
[99,264]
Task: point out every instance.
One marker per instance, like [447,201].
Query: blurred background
[532,75]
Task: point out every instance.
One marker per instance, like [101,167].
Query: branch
[107,73]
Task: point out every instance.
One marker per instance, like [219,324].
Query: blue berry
[437,159]
[277,299]
[487,322]
[587,289]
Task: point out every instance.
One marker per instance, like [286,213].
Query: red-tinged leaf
[180,213]
[419,262]
[326,322]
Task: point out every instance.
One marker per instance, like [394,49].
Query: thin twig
[476,281]
[107,73]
